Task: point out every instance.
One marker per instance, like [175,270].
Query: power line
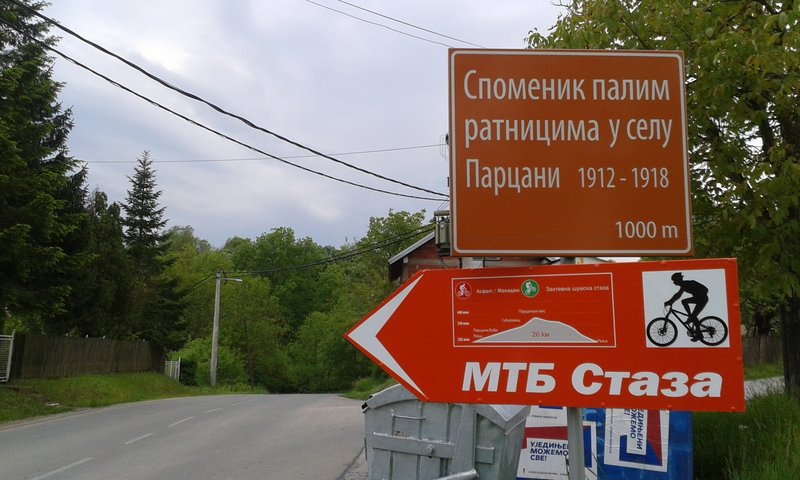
[326,261]
[216,132]
[388,242]
[409,24]
[332,259]
[214,106]
[377,24]
[198,284]
[343,256]
[258,159]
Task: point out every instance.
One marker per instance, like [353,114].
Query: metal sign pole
[576,463]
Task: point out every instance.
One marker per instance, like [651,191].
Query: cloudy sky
[338,84]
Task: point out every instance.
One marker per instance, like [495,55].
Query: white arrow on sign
[366,335]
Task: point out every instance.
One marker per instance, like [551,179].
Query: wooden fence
[39,356]
[762,349]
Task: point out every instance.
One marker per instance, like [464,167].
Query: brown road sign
[568,153]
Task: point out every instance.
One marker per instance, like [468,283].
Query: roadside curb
[358,470]
[41,418]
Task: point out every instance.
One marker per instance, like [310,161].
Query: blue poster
[624,444]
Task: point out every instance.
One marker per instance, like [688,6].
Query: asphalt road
[216,437]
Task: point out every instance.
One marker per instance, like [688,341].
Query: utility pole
[215,330]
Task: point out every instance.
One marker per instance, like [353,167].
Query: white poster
[545,449]
[637,439]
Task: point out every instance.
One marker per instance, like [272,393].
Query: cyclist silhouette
[698,297]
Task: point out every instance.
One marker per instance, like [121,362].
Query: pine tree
[101,289]
[144,219]
[155,304]
[34,173]
[77,261]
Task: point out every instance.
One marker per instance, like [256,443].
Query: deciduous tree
[743,99]
[293,266]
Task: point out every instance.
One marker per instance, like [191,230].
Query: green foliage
[180,238]
[64,394]
[103,292]
[188,373]
[156,305]
[763,370]
[763,442]
[102,390]
[251,324]
[144,219]
[74,264]
[230,365]
[34,175]
[743,110]
[192,262]
[77,258]
[14,406]
[277,256]
[372,266]
[385,230]
[364,388]
[321,359]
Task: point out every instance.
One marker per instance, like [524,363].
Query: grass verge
[367,386]
[95,391]
[14,406]
[762,443]
[763,370]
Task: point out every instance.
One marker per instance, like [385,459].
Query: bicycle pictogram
[663,331]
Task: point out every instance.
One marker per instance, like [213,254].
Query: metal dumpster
[407,439]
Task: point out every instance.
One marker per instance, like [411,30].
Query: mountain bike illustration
[663,331]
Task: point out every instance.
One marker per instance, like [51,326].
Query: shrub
[188,372]
[230,366]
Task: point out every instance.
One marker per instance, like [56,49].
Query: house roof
[422,241]
[397,261]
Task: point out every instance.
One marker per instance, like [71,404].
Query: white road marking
[180,421]
[213,410]
[141,437]
[64,468]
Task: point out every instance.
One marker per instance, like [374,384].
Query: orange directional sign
[611,335]
[568,153]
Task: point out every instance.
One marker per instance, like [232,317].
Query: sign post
[567,153]
[575,443]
